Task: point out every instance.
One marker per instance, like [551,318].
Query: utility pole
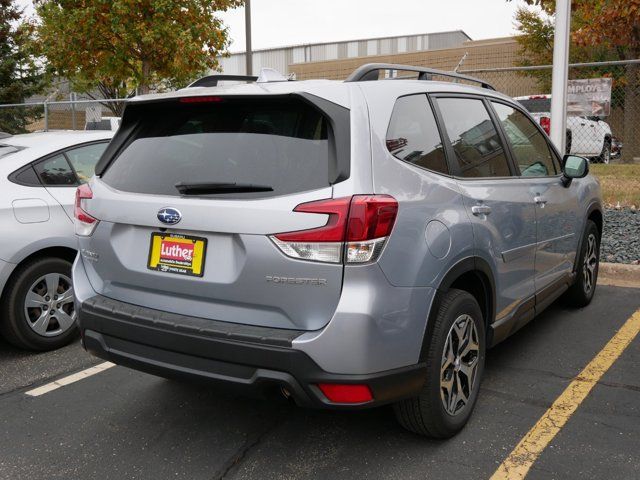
[247,27]
[560,74]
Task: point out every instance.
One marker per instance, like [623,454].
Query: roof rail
[370,71]
[212,80]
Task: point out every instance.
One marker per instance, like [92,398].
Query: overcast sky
[288,22]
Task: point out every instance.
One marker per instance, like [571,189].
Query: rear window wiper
[210,188]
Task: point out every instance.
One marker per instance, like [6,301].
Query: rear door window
[413,134]
[477,146]
[280,143]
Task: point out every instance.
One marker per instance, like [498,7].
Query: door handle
[540,201]
[481,210]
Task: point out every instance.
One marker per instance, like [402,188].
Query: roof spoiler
[266,75]
[212,80]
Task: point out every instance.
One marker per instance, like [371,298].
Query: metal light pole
[247,27]
[560,74]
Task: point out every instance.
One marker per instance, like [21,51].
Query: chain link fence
[61,115]
[610,133]
[605,129]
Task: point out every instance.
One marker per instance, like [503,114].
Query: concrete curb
[619,274]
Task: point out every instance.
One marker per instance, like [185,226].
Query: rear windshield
[537,105]
[281,143]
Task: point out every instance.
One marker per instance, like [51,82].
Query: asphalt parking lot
[125,424]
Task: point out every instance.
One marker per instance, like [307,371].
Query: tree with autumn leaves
[20,74]
[119,47]
[601,30]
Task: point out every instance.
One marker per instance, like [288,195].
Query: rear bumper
[249,357]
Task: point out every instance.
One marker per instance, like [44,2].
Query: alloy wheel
[48,305]
[590,263]
[459,365]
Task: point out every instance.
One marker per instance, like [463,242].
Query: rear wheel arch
[472,275]
[65,253]
[594,213]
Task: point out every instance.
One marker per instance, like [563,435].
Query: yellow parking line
[517,464]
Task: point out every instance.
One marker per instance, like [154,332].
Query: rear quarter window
[56,171]
[413,134]
[280,142]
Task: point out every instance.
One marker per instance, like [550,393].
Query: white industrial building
[281,58]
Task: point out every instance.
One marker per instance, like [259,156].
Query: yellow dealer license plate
[181,254]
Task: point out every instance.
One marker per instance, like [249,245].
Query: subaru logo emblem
[169,216]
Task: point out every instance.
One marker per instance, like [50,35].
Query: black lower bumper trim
[114,335]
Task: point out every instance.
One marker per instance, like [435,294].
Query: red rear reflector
[545,123]
[344,393]
[201,99]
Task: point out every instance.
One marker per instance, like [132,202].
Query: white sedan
[39,173]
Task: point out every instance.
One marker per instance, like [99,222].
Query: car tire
[440,409]
[605,156]
[581,292]
[47,322]
[568,143]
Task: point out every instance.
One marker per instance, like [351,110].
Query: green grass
[620,183]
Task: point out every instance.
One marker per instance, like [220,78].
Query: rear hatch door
[187,203]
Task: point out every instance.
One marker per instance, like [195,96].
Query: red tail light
[545,123]
[343,393]
[371,216]
[84,223]
[333,231]
[359,224]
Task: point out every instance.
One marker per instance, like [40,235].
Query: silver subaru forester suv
[345,244]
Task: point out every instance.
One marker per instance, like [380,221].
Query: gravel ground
[621,238]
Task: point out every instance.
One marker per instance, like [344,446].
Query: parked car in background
[586,136]
[346,244]
[39,173]
[106,123]
[616,147]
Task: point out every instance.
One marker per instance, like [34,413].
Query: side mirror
[574,167]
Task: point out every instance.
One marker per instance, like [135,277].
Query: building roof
[319,44]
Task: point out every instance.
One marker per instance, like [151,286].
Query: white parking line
[49,387]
